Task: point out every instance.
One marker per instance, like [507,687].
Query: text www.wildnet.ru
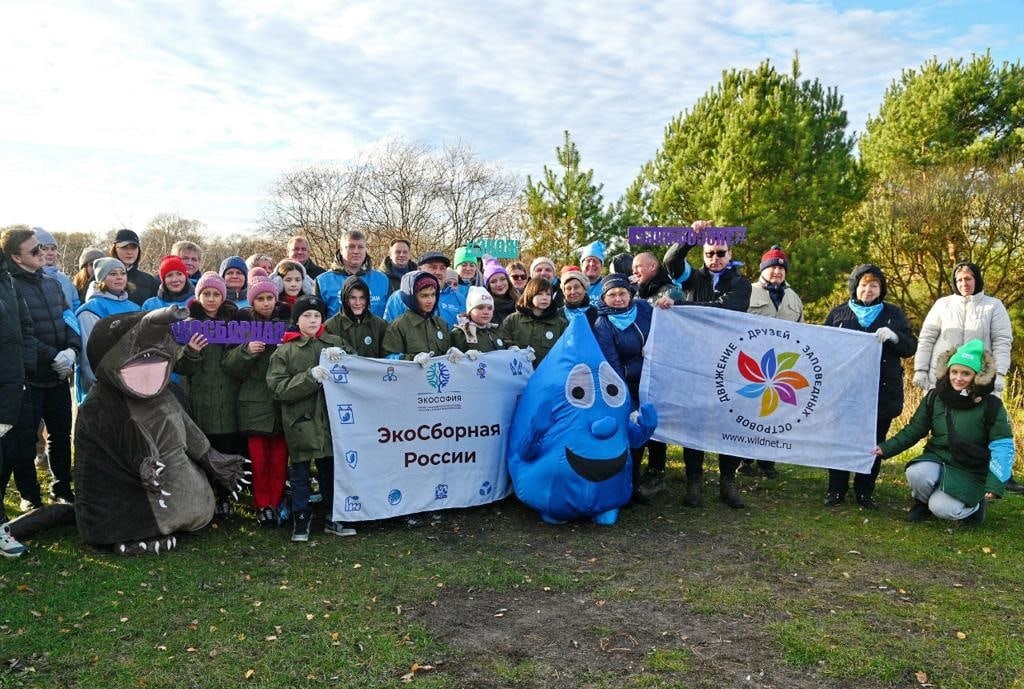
[763,442]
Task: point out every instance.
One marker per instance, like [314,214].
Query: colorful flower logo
[772,380]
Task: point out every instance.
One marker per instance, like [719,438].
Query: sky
[114,112]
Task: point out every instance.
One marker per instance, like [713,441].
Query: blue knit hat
[595,249]
[233,262]
[615,280]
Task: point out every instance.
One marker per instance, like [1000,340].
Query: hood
[979,284]
[859,272]
[984,381]
[135,352]
[409,295]
[354,282]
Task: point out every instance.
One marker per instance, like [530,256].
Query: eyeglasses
[720,253]
[518,276]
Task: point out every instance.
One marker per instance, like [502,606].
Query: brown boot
[730,494]
[694,493]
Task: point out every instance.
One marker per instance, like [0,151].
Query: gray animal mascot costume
[141,464]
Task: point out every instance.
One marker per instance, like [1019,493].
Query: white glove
[472,354]
[513,348]
[454,355]
[1000,383]
[319,374]
[334,354]
[531,355]
[922,380]
[423,359]
[884,335]
[4,427]
[64,361]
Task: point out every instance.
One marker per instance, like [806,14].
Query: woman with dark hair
[128,250]
[867,311]
[538,322]
[499,284]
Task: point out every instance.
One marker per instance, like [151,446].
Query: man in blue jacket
[350,259]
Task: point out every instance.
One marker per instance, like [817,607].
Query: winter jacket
[449,305]
[17,347]
[71,298]
[468,335]
[258,413]
[966,481]
[45,301]
[313,270]
[890,381]
[623,348]
[146,285]
[504,306]
[524,329]
[98,305]
[954,320]
[211,390]
[732,290]
[653,289]
[363,334]
[304,417]
[328,286]
[165,297]
[415,332]
[790,309]
[394,274]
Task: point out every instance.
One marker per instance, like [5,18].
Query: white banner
[409,439]
[763,388]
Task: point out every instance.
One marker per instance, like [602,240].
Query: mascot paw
[152,546]
[548,519]
[149,471]
[607,518]
[230,471]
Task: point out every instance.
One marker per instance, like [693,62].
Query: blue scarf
[866,315]
[623,319]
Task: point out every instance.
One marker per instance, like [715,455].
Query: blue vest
[102,307]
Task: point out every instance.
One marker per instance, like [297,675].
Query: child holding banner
[295,378]
[970,448]
[419,333]
[259,417]
[360,329]
[538,322]
[212,392]
[476,332]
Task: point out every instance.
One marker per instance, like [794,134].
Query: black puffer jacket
[44,298]
[17,346]
[890,383]
[146,285]
[732,291]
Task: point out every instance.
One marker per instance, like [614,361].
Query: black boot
[694,493]
[919,512]
[730,494]
[976,517]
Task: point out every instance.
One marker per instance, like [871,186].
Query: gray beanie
[44,237]
[101,267]
[88,255]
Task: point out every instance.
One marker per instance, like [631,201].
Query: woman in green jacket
[970,448]
[538,322]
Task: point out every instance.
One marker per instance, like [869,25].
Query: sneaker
[919,512]
[42,462]
[300,528]
[339,529]
[867,502]
[435,517]
[29,505]
[223,508]
[268,518]
[9,547]
[63,499]
[414,521]
[652,483]
[833,499]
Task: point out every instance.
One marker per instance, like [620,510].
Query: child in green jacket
[361,329]
[296,381]
[538,322]
[476,332]
[419,333]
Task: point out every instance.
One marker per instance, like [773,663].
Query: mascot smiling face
[569,442]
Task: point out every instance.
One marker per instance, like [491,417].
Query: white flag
[409,439]
[763,388]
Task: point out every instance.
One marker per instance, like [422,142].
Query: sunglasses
[720,253]
[36,250]
[518,276]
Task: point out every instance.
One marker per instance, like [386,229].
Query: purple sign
[663,236]
[230,332]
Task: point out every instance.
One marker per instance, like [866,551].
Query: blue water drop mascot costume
[568,451]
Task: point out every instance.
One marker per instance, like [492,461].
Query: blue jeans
[300,473]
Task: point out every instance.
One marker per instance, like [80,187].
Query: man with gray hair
[298,251]
[191,254]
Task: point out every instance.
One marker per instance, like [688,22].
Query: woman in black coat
[867,311]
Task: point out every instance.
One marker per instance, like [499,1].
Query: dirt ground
[621,626]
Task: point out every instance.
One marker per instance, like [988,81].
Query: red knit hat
[169,264]
[775,256]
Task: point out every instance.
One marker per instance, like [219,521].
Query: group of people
[265,400]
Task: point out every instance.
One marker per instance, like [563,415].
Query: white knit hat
[478,296]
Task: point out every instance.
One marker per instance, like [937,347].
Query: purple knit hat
[258,284]
[491,268]
[211,280]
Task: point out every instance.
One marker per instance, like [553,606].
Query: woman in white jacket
[966,314]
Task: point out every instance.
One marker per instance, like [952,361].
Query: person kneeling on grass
[296,378]
[970,451]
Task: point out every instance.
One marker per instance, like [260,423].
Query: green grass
[666,598]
